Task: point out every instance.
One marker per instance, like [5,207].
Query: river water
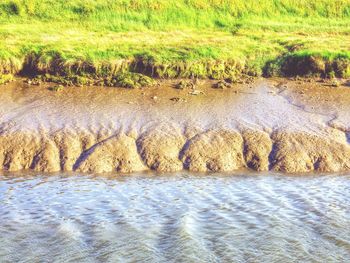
[174,218]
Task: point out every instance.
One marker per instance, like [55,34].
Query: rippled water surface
[182,218]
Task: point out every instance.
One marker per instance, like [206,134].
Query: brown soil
[288,126]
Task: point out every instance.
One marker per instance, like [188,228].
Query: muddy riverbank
[287,126]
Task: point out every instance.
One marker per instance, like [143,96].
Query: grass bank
[109,40]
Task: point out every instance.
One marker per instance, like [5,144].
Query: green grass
[183,38]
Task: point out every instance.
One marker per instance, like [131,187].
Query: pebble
[177,99]
[196,92]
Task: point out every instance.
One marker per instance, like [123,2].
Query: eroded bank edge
[167,149]
[142,71]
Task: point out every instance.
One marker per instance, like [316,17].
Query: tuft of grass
[5,78]
[123,79]
[56,88]
[130,80]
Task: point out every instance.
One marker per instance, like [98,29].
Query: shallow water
[182,218]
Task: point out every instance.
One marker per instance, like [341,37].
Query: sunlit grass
[249,32]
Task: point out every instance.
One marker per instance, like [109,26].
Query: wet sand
[287,126]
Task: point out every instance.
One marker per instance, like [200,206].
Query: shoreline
[132,80]
[212,151]
[267,125]
[140,72]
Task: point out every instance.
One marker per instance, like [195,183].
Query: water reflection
[184,218]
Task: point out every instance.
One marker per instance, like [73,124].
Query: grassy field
[184,38]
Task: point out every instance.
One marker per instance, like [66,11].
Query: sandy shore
[288,126]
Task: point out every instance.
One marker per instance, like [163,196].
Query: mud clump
[305,65]
[47,158]
[17,151]
[70,148]
[186,84]
[308,65]
[257,148]
[214,151]
[302,152]
[341,67]
[130,80]
[27,151]
[222,84]
[160,148]
[118,153]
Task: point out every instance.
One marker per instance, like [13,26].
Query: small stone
[34,81]
[335,83]
[222,85]
[56,88]
[177,99]
[183,84]
[196,92]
